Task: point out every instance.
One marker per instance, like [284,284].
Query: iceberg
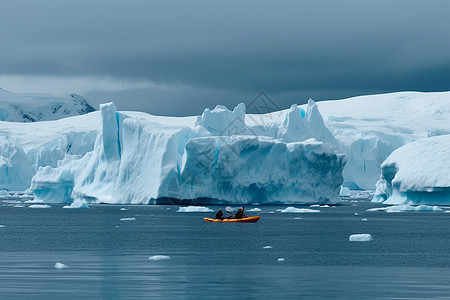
[414,173]
[291,209]
[141,159]
[362,237]
[159,257]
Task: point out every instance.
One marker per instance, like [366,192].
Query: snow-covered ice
[254,209]
[416,173]
[363,237]
[292,209]
[59,265]
[39,206]
[159,257]
[194,209]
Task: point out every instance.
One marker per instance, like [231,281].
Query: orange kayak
[242,220]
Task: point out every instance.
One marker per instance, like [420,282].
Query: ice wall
[136,160]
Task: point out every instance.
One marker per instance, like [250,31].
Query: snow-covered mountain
[27,107]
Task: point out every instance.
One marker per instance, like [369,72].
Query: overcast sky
[178,57]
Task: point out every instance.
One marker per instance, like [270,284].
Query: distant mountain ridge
[34,107]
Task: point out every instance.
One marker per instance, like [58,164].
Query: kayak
[242,220]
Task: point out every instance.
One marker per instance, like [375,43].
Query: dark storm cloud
[235,48]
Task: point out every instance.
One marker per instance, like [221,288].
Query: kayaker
[219,214]
[240,213]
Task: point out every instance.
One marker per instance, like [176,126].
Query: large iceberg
[140,159]
[416,173]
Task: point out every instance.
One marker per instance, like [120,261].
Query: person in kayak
[240,213]
[219,214]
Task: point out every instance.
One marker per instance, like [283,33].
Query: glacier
[416,173]
[139,159]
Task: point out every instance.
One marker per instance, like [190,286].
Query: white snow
[59,265]
[194,209]
[292,209]
[363,237]
[159,257]
[39,206]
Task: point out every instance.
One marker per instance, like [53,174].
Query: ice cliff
[140,159]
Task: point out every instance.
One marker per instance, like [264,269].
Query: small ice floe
[2,226]
[39,206]
[447,211]
[280,209]
[292,209]
[77,204]
[194,209]
[123,208]
[267,247]
[127,219]
[59,265]
[271,212]
[324,206]
[19,205]
[159,257]
[363,237]
[254,209]
[364,220]
[356,214]
[297,218]
[34,201]
[281,259]
[315,205]
[255,204]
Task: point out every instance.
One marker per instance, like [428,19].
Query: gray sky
[178,57]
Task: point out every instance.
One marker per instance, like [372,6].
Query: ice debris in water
[406,207]
[77,204]
[39,206]
[364,220]
[363,237]
[292,209]
[59,265]
[195,209]
[123,208]
[281,259]
[1,226]
[267,247]
[254,209]
[127,219]
[159,257]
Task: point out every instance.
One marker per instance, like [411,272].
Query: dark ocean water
[107,258]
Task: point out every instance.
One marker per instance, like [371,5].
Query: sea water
[104,253]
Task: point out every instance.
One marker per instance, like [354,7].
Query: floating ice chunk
[127,219]
[34,201]
[159,257]
[447,211]
[267,247]
[345,192]
[364,220]
[123,208]
[324,206]
[271,212]
[19,205]
[59,265]
[292,209]
[363,237]
[356,214]
[377,209]
[194,209]
[77,204]
[39,206]
[315,205]
[281,259]
[406,207]
[2,226]
[255,209]
[298,218]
